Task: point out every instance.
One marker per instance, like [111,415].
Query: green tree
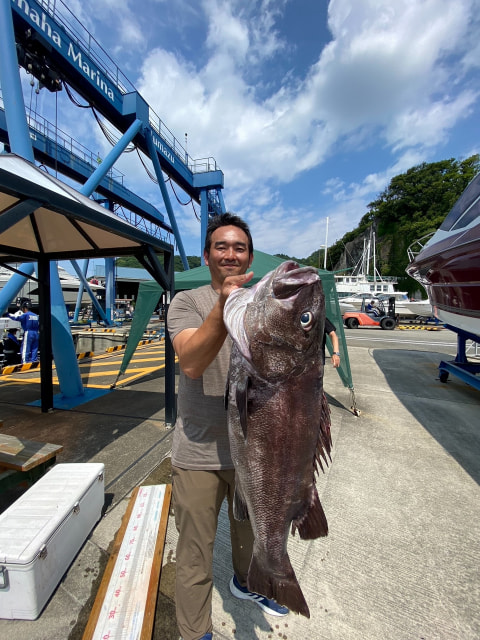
[193,261]
[415,203]
[128,261]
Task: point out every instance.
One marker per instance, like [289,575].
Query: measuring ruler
[125,605]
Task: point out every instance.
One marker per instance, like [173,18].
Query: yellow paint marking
[111,368]
[131,378]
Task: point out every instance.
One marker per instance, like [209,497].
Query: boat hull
[449,268]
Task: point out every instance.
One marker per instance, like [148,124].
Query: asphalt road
[401,496]
[413,338]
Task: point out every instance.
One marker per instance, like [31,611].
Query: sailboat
[359,283]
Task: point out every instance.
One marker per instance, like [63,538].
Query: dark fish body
[278,420]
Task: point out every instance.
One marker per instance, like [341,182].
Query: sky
[309,107]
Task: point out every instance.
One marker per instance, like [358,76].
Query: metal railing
[46,128]
[416,247]
[59,12]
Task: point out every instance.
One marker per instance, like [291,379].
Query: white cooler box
[41,533]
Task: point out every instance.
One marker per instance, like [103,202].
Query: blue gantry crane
[56,49]
[45,38]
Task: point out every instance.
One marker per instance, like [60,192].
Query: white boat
[419,308]
[70,285]
[360,282]
[404,307]
[350,285]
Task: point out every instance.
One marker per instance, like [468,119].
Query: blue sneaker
[269,606]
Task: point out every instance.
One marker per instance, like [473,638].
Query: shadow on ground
[435,404]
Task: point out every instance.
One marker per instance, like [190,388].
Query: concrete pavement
[401,496]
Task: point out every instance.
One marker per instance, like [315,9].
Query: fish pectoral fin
[240,510]
[241,399]
[313,524]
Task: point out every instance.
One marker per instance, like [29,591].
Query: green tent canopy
[149,294]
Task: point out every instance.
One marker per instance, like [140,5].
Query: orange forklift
[372,314]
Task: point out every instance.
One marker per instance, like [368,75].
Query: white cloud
[395,74]
[426,126]
[385,67]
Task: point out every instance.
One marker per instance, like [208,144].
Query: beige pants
[197,498]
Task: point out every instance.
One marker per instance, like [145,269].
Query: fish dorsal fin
[324,443]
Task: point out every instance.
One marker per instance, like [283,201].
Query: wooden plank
[149,616]
[97,606]
[108,580]
[22,455]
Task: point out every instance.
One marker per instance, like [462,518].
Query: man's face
[229,254]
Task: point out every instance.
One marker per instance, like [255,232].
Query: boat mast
[326,246]
[367,259]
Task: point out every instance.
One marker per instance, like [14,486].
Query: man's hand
[231,283]
[197,348]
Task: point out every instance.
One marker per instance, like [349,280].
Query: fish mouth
[290,278]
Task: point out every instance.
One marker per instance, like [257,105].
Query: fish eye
[306,320]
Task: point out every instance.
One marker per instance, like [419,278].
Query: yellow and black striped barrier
[86,354]
[118,347]
[419,327]
[16,368]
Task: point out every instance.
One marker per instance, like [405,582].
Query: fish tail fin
[282,587]
[313,524]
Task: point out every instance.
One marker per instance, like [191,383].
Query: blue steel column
[166,199]
[110,287]
[110,281]
[13,286]
[19,138]
[101,171]
[204,219]
[222,202]
[85,287]
[92,183]
[78,304]
[17,127]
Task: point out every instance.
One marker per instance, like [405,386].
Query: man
[372,308]
[30,325]
[331,331]
[202,468]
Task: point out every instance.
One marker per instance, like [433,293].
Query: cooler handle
[3,578]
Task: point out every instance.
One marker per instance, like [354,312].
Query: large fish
[278,420]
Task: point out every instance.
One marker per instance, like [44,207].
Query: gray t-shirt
[200,439]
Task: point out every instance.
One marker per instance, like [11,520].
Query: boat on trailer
[447,264]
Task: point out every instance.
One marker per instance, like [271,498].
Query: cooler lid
[29,523]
